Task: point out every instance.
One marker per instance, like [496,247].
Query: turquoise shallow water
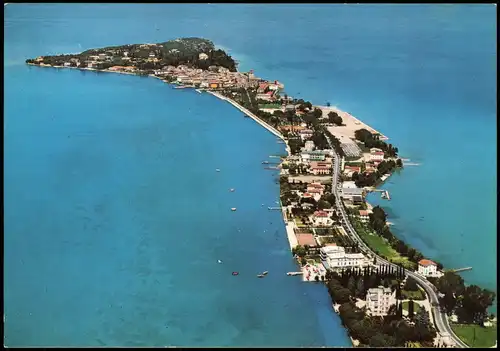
[114,212]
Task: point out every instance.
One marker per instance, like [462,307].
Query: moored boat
[260,275]
[233,208]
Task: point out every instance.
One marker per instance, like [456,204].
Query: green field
[484,337]
[415,295]
[380,245]
[416,307]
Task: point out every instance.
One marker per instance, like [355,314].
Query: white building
[364,216]
[321,218]
[202,56]
[316,187]
[427,268]
[376,154]
[306,133]
[379,300]
[350,192]
[334,257]
[309,146]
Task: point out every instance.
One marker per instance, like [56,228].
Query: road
[440,319]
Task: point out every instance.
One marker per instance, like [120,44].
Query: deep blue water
[115,217]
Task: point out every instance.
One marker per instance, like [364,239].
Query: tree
[317,113]
[360,288]
[475,303]
[322,204]
[351,284]
[316,278]
[411,308]
[451,282]
[300,251]
[449,302]
[399,162]
[410,284]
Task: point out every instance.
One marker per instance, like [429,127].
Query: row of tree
[373,140]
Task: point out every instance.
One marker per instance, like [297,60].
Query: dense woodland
[175,52]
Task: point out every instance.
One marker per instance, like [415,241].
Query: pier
[274,208]
[272,168]
[461,269]
[385,193]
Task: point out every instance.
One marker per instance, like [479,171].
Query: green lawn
[485,337]
[380,245]
[416,307]
[415,295]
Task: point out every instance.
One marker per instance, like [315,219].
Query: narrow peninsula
[386,293]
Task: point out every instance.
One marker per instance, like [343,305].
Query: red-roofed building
[364,215]
[320,168]
[263,87]
[321,218]
[427,268]
[376,155]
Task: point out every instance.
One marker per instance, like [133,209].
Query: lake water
[115,217]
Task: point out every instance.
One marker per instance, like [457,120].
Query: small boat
[219,261]
[265,273]
[265,162]
[260,275]
[233,208]
[235,273]
[217,170]
[231,190]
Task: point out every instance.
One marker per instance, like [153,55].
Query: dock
[461,269]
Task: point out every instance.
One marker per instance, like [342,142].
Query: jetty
[294,273]
[461,269]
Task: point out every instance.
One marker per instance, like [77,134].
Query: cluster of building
[214,78]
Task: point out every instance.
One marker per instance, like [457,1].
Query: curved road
[440,319]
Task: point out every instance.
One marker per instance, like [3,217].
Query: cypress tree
[411,308]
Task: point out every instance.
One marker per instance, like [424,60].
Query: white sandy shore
[351,124]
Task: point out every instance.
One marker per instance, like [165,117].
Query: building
[364,215]
[306,133]
[376,154]
[309,145]
[321,168]
[321,218]
[349,170]
[202,56]
[263,88]
[316,187]
[352,194]
[214,85]
[379,300]
[291,128]
[335,257]
[313,156]
[290,108]
[427,268]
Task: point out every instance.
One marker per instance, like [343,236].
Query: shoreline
[249,114]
